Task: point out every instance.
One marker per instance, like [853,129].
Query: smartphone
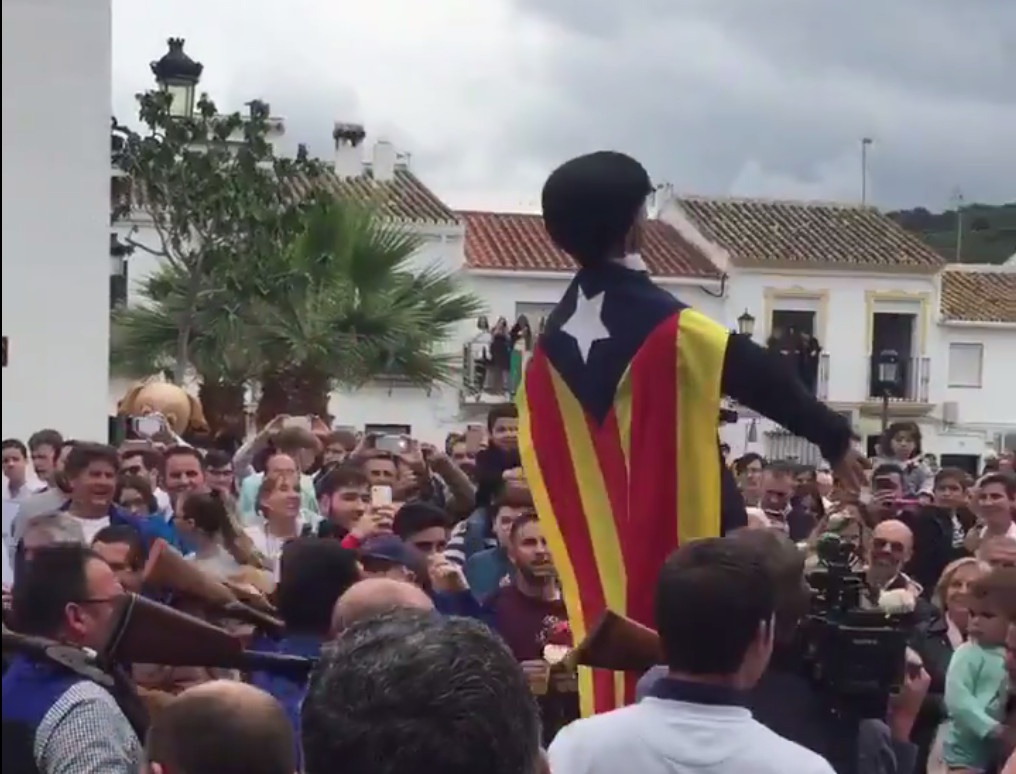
[474,438]
[301,422]
[147,425]
[393,444]
[380,495]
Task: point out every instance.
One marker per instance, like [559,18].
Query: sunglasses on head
[881,544]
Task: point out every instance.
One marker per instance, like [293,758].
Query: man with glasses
[56,719]
[892,545]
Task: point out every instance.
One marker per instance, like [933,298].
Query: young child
[900,444]
[976,685]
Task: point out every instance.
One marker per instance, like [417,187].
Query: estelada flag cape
[618,420]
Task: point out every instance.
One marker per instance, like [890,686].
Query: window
[965,364]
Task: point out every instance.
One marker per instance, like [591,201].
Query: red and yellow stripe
[616,498]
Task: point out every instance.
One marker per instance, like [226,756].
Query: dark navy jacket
[30,689]
[287,691]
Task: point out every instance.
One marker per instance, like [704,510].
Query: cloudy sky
[717,97]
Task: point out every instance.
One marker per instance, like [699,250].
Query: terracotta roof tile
[517,241]
[757,232]
[404,197]
[979,296]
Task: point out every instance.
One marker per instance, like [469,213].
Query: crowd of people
[325,601]
[332,528]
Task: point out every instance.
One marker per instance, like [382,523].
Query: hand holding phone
[392,444]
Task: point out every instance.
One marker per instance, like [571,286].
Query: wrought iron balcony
[909,383]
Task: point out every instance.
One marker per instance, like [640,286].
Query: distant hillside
[989,231]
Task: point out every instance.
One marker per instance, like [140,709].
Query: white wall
[56,109]
[993,404]
[844,337]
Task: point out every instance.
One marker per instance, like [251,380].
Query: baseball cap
[389,548]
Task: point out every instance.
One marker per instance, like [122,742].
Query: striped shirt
[455,551]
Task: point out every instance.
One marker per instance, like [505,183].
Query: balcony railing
[482,383]
[911,383]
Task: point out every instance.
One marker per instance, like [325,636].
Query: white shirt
[663,736]
[29,488]
[269,545]
[1010,533]
[91,527]
[216,561]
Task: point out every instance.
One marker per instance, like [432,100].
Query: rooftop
[784,234]
[403,197]
[519,242]
[979,296]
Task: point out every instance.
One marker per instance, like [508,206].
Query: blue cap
[390,548]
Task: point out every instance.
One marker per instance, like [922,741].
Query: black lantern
[746,324]
[888,368]
[178,74]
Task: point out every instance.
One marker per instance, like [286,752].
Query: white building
[861,285]
[977,340]
[56,107]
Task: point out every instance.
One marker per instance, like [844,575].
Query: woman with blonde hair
[278,505]
[934,640]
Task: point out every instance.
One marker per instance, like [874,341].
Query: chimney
[348,151]
[383,163]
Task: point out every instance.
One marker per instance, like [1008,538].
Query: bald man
[222,727]
[373,596]
[892,545]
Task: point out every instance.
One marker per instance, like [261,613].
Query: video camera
[856,655]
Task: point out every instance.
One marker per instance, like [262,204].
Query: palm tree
[350,310]
[144,341]
[338,306]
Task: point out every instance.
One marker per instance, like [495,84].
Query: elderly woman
[934,640]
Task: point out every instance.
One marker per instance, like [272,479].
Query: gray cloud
[772,97]
[750,97]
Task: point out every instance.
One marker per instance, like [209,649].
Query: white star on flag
[586,323]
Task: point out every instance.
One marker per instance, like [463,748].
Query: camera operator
[789,702]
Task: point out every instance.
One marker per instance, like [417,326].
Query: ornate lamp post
[746,324]
[888,378]
[178,74]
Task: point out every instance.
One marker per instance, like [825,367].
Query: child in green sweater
[976,684]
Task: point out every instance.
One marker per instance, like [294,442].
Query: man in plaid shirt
[55,720]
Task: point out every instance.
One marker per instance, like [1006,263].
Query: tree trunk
[223,406]
[297,391]
[182,355]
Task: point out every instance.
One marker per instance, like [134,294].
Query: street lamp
[888,378]
[746,324]
[178,75]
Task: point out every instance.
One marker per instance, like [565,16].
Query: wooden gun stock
[143,631]
[619,644]
[167,569]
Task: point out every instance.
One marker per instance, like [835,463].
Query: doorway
[892,331]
